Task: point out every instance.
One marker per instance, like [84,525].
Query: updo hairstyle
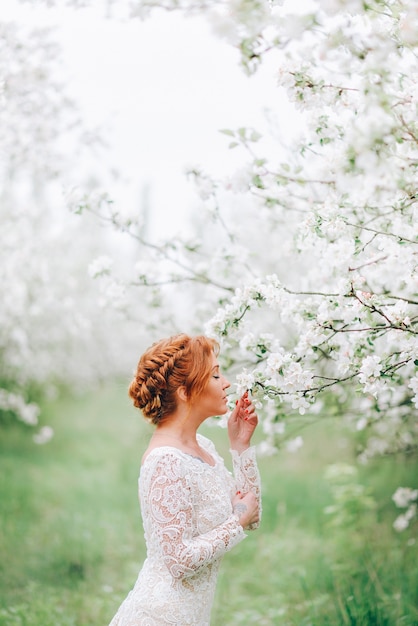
[179,361]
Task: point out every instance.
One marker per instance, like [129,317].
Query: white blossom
[26,412]
[245,381]
[293,445]
[413,384]
[403,496]
[362,423]
[44,435]
[370,368]
[266,448]
[402,522]
[311,287]
[295,378]
[100,266]
[240,181]
[300,403]
[340,472]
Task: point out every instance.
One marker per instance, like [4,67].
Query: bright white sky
[163,88]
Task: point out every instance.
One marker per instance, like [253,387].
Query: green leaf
[257,182]
[255,136]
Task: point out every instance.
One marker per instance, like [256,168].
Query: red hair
[178,361]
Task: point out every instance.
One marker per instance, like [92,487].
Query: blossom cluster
[405,498]
[50,331]
[312,285]
[343,314]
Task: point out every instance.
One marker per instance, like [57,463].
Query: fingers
[245,407]
[248,413]
[247,508]
[238,496]
[241,403]
[250,497]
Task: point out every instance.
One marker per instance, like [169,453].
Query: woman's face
[213,400]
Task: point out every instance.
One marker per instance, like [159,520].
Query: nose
[226,383]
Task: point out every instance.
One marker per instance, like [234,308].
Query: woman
[193,510]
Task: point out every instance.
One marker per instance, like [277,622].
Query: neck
[182,424]
[177,432]
[182,436]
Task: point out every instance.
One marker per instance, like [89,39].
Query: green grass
[71,538]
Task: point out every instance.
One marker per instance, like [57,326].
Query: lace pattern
[188,526]
[247,477]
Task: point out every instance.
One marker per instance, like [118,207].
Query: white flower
[245,381]
[240,181]
[100,266]
[145,270]
[26,412]
[293,445]
[273,292]
[370,368]
[275,362]
[413,384]
[205,186]
[403,520]
[29,413]
[114,295]
[300,403]
[271,428]
[265,448]
[408,25]
[296,378]
[44,435]
[403,496]
[400,523]
[362,423]
[338,471]
[313,336]
[248,342]
[411,512]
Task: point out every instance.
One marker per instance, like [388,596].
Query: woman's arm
[171,510]
[247,477]
[241,425]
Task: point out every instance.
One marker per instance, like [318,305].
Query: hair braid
[168,364]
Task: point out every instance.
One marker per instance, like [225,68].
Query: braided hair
[178,361]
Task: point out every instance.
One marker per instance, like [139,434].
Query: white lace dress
[188,526]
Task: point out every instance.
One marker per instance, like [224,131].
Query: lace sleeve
[172,520]
[247,476]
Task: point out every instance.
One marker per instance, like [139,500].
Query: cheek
[215,389]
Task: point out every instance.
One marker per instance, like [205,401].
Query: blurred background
[104,121]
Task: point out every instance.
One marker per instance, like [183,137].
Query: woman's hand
[247,509]
[242,423]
